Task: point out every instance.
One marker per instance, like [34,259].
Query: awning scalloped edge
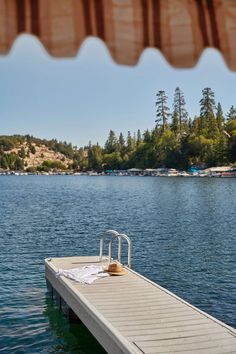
[180,29]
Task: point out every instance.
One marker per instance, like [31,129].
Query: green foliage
[112,161]
[11,161]
[63,147]
[207,103]
[220,118]
[222,151]
[121,143]
[139,138]
[162,110]
[22,153]
[175,126]
[232,113]
[49,165]
[6,143]
[9,142]
[32,149]
[111,143]
[180,115]
[31,169]
[130,141]
[95,158]
[205,140]
[177,141]
[231,130]
[207,124]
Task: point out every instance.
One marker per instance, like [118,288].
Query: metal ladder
[115,235]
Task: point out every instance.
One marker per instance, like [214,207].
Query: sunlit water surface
[183,233]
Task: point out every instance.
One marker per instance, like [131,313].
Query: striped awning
[181,29]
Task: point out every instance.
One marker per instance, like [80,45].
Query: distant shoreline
[210,173]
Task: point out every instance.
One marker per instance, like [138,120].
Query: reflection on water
[183,233]
[72,338]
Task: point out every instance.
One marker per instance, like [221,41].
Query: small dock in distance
[131,314]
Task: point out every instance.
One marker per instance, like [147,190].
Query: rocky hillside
[29,153]
[35,155]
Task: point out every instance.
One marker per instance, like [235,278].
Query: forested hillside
[19,152]
[176,140]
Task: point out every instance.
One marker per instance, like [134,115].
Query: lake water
[183,232]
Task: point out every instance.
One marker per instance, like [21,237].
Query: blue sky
[82,98]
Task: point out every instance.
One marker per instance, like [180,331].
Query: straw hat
[116,269]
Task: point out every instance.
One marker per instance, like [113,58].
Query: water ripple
[183,233]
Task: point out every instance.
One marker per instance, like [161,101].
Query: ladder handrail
[114,235]
[107,233]
[120,236]
[129,247]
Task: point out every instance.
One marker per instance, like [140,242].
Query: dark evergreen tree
[134,139]
[180,115]
[162,110]
[18,164]
[208,124]
[212,128]
[207,103]
[196,126]
[121,142]
[139,138]
[22,153]
[222,151]
[220,117]
[129,142]
[111,143]
[232,113]
[175,126]
[190,123]
[147,136]
[95,158]
[3,162]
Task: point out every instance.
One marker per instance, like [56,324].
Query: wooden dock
[131,314]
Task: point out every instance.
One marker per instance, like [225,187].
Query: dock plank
[131,314]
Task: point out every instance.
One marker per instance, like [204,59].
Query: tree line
[176,141]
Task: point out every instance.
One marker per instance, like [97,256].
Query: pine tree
[22,153]
[190,123]
[195,128]
[4,162]
[175,126]
[134,139]
[222,150]
[232,113]
[220,117]
[213,130]
[207,107]
[147,136]
[18,164]
[180,114]
[95,158]
[139,138]
[111,143]
[129,142]
[162,110]
[121,142]
[207,103]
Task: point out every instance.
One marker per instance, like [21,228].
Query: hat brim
[123,272]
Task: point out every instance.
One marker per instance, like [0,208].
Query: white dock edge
[131,314]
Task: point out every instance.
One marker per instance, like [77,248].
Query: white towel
[84,275]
